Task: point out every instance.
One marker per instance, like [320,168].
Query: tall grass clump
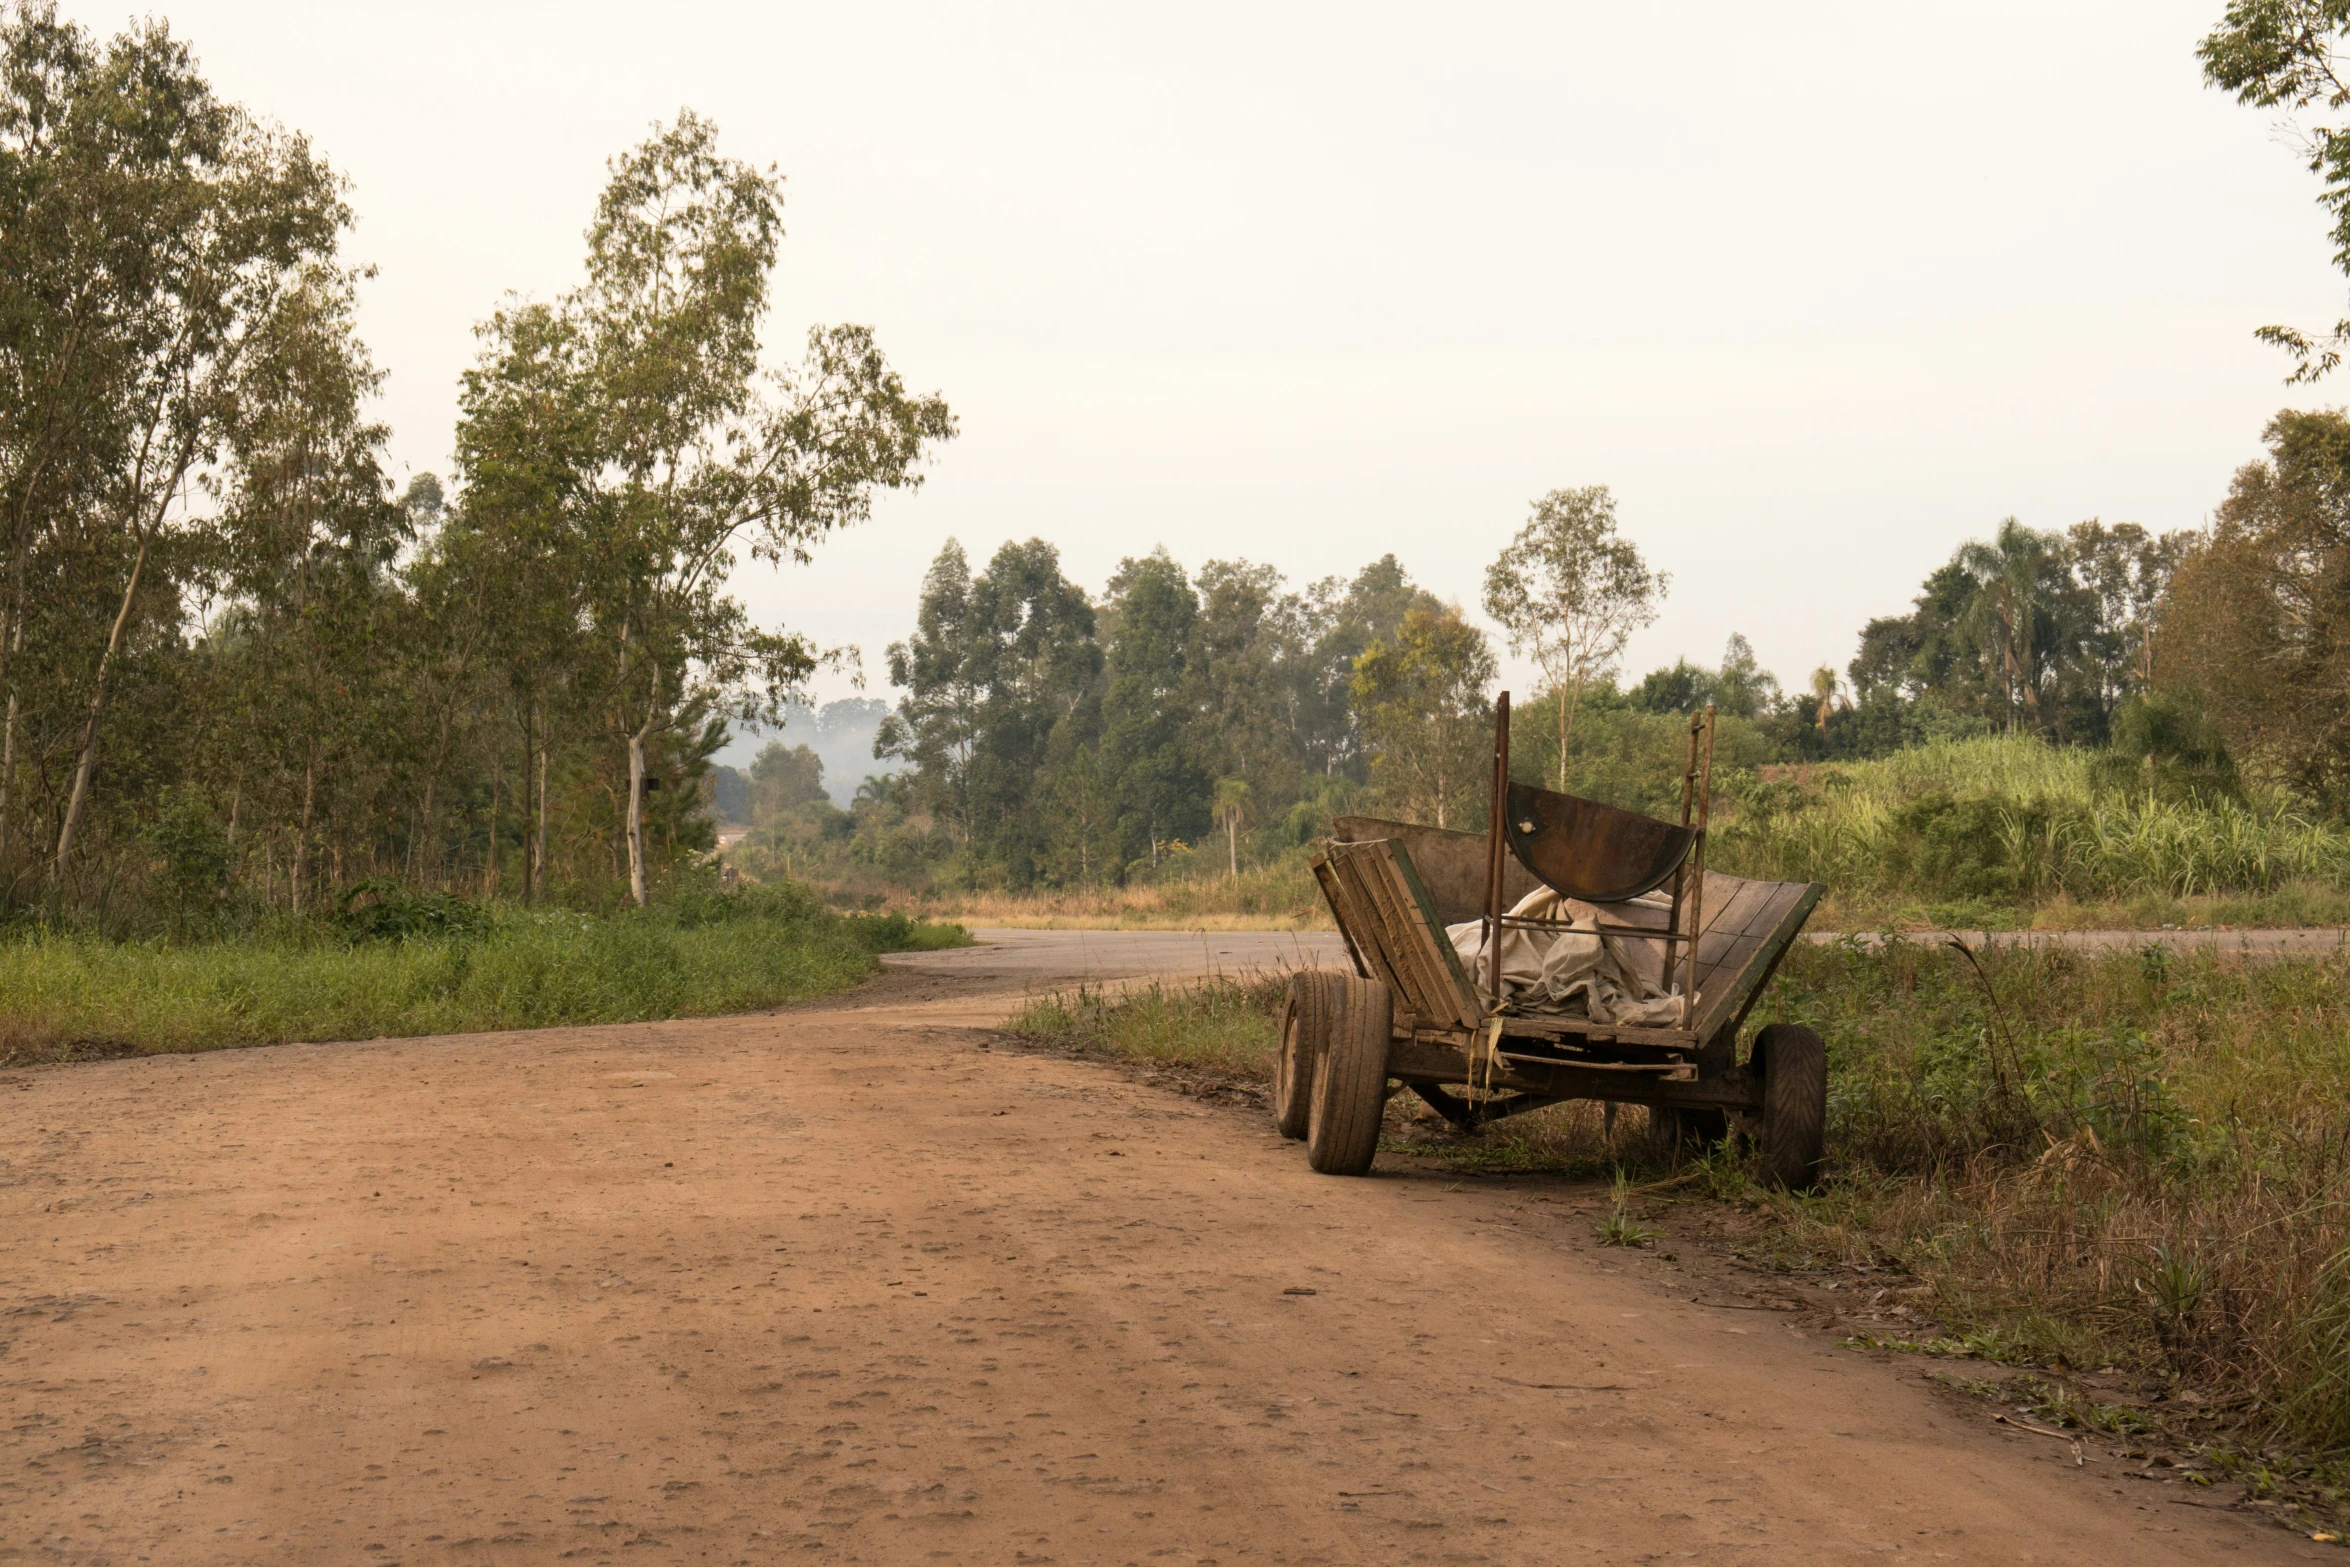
[394,963]
[2132,1158]
[1228,1027]
[2019,822]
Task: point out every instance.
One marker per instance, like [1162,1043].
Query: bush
[381,909]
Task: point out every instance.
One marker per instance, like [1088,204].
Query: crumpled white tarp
[1608,979]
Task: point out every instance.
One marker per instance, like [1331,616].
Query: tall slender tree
[695,455]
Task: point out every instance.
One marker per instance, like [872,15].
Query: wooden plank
[1327,879]
[1727,1007]
[1363,918]
[1363,869]
[1422,942]
[1766,919]
[1407,976]
[1718,958]
[1469,1004]
[1739,908]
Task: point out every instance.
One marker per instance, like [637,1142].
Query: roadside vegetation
[1996,832]
[2118,1159]
[394,963]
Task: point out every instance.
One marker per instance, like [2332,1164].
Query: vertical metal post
[1496,847]
[1705,800]
[1672,954]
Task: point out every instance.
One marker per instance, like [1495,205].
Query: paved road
[1042,956]
[852,1283]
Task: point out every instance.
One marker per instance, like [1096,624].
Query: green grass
[66,995]
[1996,831]
[1225,1027]
[2080,1160]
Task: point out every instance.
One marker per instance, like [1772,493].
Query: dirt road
[850,1284]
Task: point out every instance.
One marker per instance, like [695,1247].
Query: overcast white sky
[1820,290]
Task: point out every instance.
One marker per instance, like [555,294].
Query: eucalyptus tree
[1422,698]
[526,465]
[306,535]
[1570,590]
[1147,732]
[696,453]
[942,669]
[151,229]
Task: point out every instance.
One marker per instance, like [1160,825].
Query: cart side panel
[1365,931]
[1757,951]
[1465,994]
[1327,879]
[1414,950]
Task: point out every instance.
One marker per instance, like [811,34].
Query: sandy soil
[859,1283]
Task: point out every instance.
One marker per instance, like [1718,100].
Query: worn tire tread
[1305,1037]
[1794,1066]
[1350,1080]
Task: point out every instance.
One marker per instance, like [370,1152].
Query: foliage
[2256,633]
[2015,821]
[2046,632]
[1059,743]
[679,452]
[240,674]
[446,968]
[380,909]
[1570,590]
[2285,54]
[1423,706]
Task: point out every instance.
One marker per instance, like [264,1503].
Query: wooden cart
[1409,1017]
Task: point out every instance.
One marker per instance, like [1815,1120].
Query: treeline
[1220,718]
[240,671]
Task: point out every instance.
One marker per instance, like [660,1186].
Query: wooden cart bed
[1393,914]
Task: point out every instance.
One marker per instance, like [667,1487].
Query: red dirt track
[853,1284]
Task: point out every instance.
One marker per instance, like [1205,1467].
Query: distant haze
[840,733]
[1819,290]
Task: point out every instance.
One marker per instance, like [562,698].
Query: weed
[1619,1228]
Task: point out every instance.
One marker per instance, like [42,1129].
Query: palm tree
[1231,806]
[2005,608]
[1823,690]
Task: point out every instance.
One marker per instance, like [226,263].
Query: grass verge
[1223,1028]
[69,996]
[2072,1160]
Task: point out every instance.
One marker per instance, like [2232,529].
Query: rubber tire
[1305,1036]
[1350,1081]
[1793,1064]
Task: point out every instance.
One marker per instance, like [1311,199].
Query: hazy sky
[1820,290]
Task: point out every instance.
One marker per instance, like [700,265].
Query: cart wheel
[1794,1068]
[1305,1036]
[1350,1080]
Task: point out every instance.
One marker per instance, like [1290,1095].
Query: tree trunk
[7,774]
[1566,723]
[89,745]
[538,848]
[1232,842]
[489,859]
[636,816]
[302,834]
[530,754]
